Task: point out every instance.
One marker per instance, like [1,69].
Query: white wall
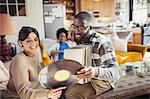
[34,18]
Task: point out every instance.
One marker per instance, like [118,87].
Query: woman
[24,69]
[57,49]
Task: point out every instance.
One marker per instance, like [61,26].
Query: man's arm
[110,68]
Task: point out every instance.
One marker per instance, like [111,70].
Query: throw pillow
[4,76]
[120,44]
[47,43]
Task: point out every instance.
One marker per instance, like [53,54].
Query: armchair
[135,53]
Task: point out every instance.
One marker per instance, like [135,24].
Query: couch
[135,52]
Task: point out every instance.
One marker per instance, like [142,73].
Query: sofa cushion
[44,54]
[124,57]
[4,73]
[120,44]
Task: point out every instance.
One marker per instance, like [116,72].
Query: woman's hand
[55,93]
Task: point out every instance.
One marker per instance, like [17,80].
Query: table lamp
[6,28]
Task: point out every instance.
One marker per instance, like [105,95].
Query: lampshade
[6,25]
[6,28]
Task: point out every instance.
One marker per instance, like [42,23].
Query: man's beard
[84,39]
[78,41]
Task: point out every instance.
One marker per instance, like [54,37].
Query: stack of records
[81,54]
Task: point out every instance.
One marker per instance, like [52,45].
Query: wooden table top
[128,87]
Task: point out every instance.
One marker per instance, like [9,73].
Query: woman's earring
[20,44]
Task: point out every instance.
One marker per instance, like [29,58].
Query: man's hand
[87,72]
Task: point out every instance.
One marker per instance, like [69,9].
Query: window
[140,11]
[13,7]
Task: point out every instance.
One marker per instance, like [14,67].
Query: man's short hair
[84,16]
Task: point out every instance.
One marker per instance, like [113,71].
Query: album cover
[79,53]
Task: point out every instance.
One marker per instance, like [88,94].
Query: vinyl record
[60,73]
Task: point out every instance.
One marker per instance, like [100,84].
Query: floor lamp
[6,28]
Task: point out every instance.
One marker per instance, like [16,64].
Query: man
[104,70]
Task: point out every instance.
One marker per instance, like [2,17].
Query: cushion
[124,57]
[120,44]
[45,57]
[47,43]
[4,76]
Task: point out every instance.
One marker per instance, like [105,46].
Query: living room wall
[34,18]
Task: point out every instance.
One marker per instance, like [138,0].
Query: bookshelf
[70,9]
[71,6]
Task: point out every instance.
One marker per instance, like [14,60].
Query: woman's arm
[20,74]
[24,87]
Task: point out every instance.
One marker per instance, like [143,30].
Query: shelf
[70,9]
[53,1]
[70,6]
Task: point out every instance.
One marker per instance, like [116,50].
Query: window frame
[16,4]
[138,7]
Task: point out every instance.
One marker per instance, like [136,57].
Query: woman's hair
[59,31]
[25,31]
